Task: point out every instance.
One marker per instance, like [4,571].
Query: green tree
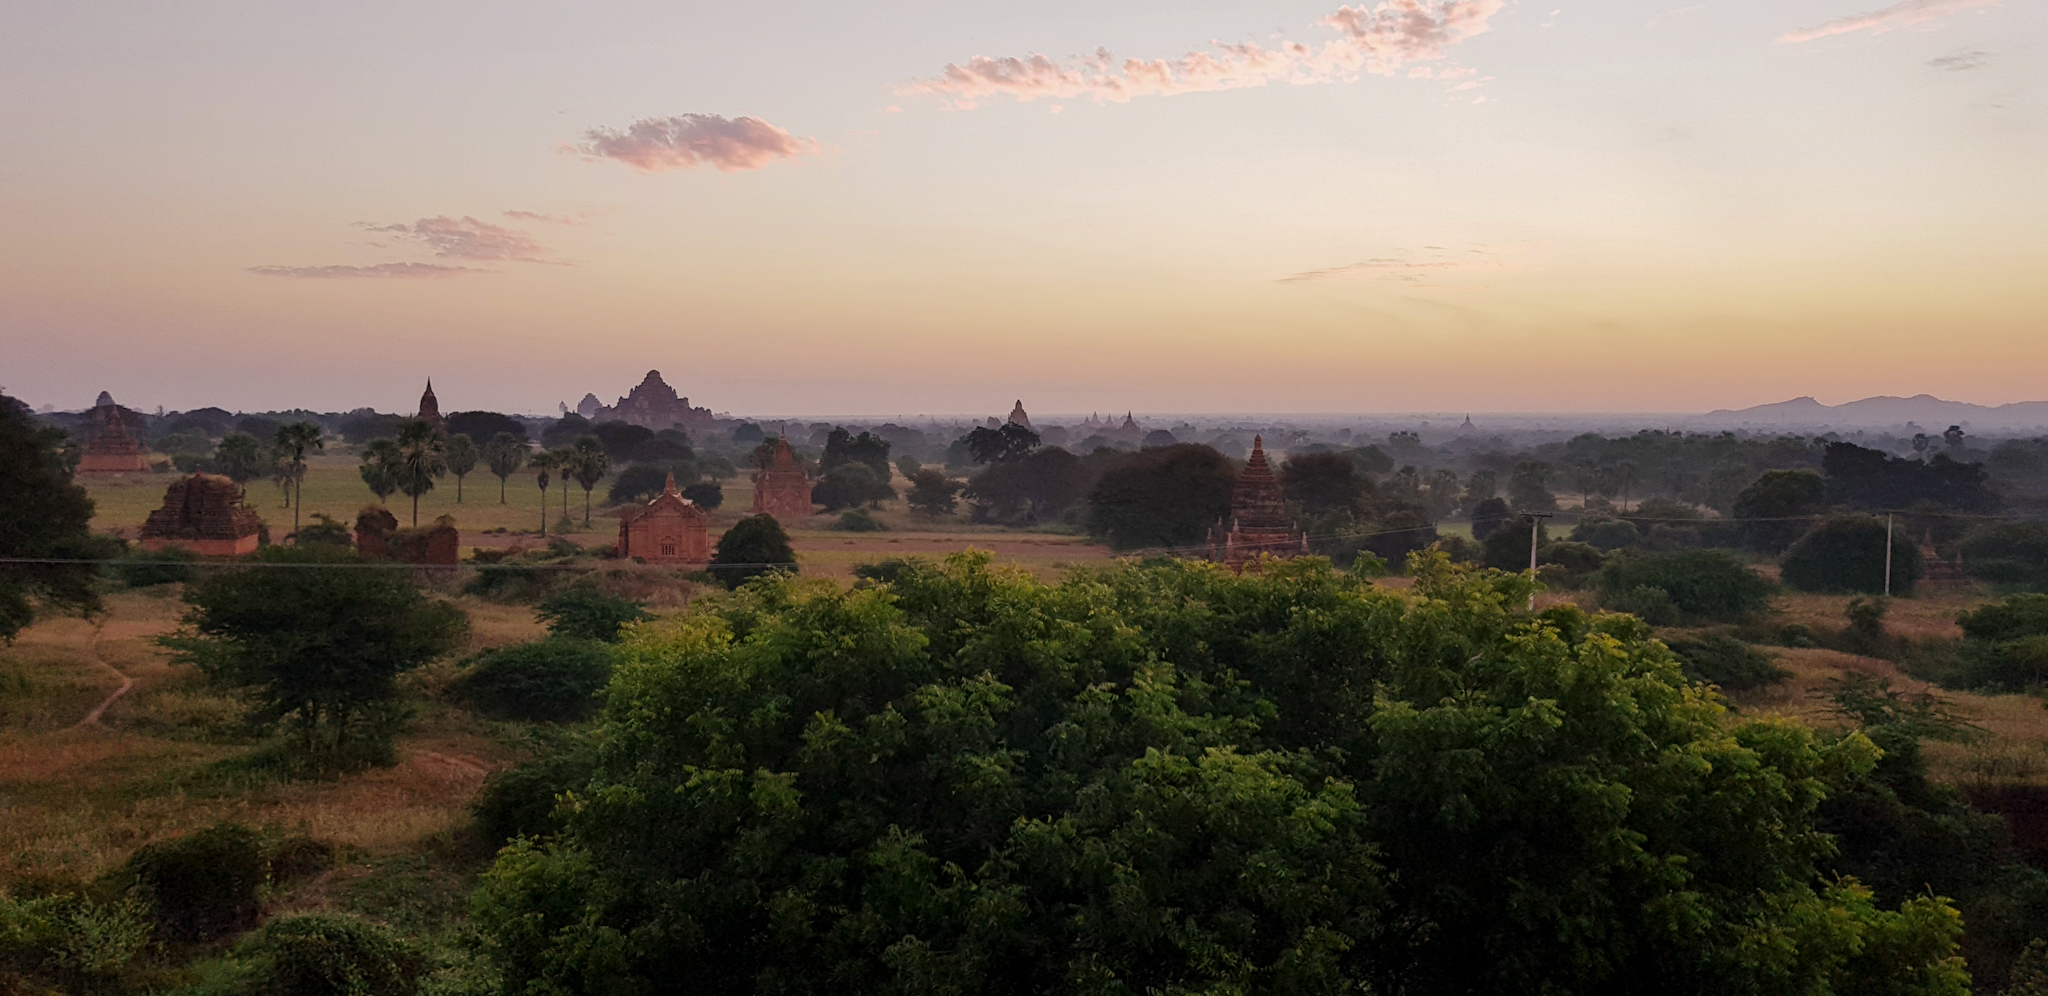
[1005,442]
[581,612]
[1528,487]
[504,454]
[1700,585]
[932,493]
[542,463]
[1846,553]
[754,546]
[1320,483]
[1024,490]
[842,447]
[241,457]
[588,462]
[462,457]
[380,467]
[421,459]
[318,641]
[1779,507]
[293,442]
[1169,497]
[965,780]
[43,516]
[849,485]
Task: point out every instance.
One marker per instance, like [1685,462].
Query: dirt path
[93,718]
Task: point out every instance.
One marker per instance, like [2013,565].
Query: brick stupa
[110,448]
[1257,525]
[671,530]
[206,514]
[781,489]
[430,409]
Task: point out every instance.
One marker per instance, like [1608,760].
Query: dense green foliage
[932,493]
[42,515]
[1028,488]
[1701,585]
[2005,643]
[1175,779]
[1846,553]
[319,639]
[1167,497]
[754,546]
[1871,479]
[68,943]
[204,884]
[1721,659]
[328,954]
[582,612]
[521,801]
[2008,553]
[149,568]
[850,485]
[548,680]
[1779,507]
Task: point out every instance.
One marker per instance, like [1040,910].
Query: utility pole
[1888,555]
[1536,526]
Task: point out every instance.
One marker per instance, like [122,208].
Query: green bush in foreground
[1721,659]
[204,884]
[581,612]
[965,780]
[549,680]
[1701,585]
[329,954]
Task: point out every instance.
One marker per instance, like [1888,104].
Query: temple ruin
[781,489]
[669,530]
[1257,525]
[652,404]
[1017,416]
[110,447]
[206,514]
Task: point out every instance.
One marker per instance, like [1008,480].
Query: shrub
[581,612]
[1865,634]
[754,546]
[549,680]
[68,942]
[1649,603]
[330,954]
[1845,553]
[1606,533]
[2011,553]
[324,530]
[1721,659]
[709,494]
[1703,585]
[204,884]
[148,568]
[859,521]
[2005,643]
[520,801]
[1578,561]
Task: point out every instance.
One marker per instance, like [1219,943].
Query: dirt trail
[93,718]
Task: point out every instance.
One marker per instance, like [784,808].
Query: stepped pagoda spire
[1257,524]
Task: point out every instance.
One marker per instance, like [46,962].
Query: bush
[68,942]
[1606,533]
[323,530]
[202,885]
[850,485]
[709,494]
[859,521]
[581,612]
[1577,562]
[1649,603]
[754,546]
[520,801]
[551,680]
[1702,585]
[1721,659]
[2005,643]
[148,568]
[2009,553]
[329,954]
[1846,554]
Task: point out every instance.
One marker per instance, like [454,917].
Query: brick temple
[671,530]
[206,514]
[1257,525]
[430,410]
[781,489]
[652,404]
[110,447]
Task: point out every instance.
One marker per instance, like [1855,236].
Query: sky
[941,207]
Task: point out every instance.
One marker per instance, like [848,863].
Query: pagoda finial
[670,487]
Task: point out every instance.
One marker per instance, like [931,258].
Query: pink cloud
[340,272]
[1380,41]
[1898,15]
[467,238]
[653,145]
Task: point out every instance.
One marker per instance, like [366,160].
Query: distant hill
[1925,410]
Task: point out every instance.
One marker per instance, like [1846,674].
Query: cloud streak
[404,271]
[1379,41]
[467,238]
[1899,15]
[686,141]
[1956,62]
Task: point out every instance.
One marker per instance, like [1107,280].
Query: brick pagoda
[111,448]
[671,529]
[781,489]
[206,514]
[430,409]
[1258,517]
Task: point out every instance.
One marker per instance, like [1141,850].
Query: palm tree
[543,461]
[380,467]
[588,463]
[462,458]
[505,454]
[293,442]
[422,457]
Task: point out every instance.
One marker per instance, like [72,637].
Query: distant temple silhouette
[653,404]
[430,409]
[1257,524]
[110,447]
[781,489]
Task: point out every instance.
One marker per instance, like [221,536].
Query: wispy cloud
[379,270]
[1898,15]
[1380,41]
[542,218]
[467,238]
[1956,62]
[688,140]
[1409,268]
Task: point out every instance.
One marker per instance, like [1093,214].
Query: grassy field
[333,488]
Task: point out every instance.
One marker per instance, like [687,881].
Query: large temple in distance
[110,446]
[781,489]
[653,404]
[1257,525]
